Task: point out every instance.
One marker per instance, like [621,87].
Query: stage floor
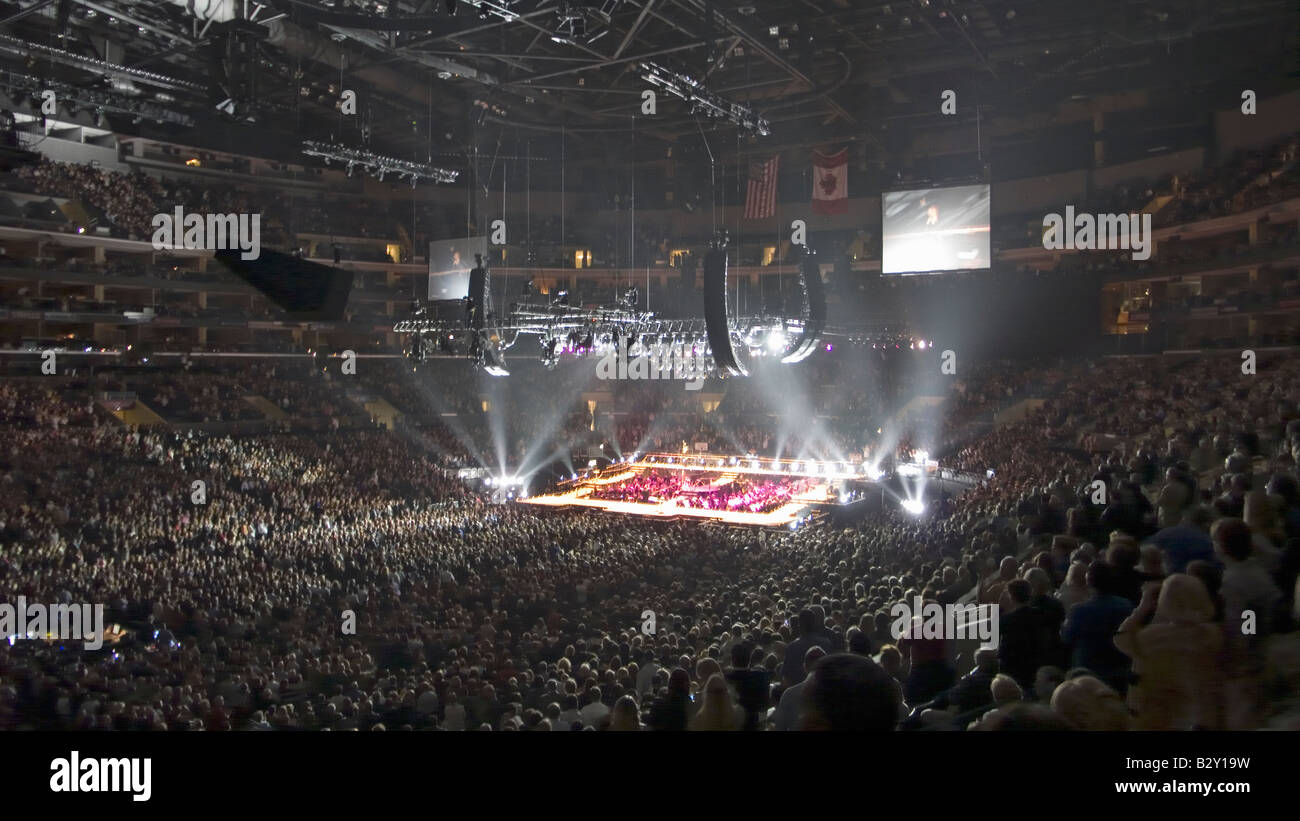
[578,493]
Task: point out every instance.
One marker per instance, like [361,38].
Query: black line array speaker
[303,289]
[715,313]
[814,310]
[480,293]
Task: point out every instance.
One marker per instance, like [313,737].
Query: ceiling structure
[429,81]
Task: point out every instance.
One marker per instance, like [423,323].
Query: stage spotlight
[914,506]
[776,341]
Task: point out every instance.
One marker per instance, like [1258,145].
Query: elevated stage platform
[730,490]
[743,491]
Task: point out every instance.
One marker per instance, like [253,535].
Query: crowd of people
[1123,609]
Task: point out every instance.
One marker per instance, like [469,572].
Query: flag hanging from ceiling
[760,199]
[830,193]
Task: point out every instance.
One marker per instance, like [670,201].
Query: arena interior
[650,365]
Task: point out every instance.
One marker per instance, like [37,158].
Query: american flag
[760,201]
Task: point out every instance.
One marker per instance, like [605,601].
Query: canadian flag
[830,182]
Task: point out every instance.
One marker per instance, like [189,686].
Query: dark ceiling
[822,71]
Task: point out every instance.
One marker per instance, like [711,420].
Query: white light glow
[914,506]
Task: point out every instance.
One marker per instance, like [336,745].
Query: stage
[741,490]
[730,490]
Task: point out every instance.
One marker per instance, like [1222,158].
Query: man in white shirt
[645,677]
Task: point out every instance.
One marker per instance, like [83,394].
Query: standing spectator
[1175,655]
[1090,627]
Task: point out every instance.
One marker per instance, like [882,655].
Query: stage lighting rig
[583,21]
[96,100]
[487,9]
[701,100]
[377,164]
[723,342]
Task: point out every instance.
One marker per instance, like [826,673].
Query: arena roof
[818,70]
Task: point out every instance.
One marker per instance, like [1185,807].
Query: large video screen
[450,261]
[935,229]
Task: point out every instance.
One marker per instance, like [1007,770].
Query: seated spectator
[1020,640]
[626,716]
[717,711]
[672,712]
[789,709]
[1006,695]
[848,693]
[1087,703]
[751,686]
[1046,680]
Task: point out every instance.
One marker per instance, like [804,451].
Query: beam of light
[498,395]
[914,506]
[434,401]
[554,407]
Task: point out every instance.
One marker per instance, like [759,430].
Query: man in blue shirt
[1090,628]
[1188,540]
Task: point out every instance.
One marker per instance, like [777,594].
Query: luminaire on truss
[377,164]
[701,99]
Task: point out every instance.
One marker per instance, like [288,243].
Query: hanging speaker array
[716,324]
